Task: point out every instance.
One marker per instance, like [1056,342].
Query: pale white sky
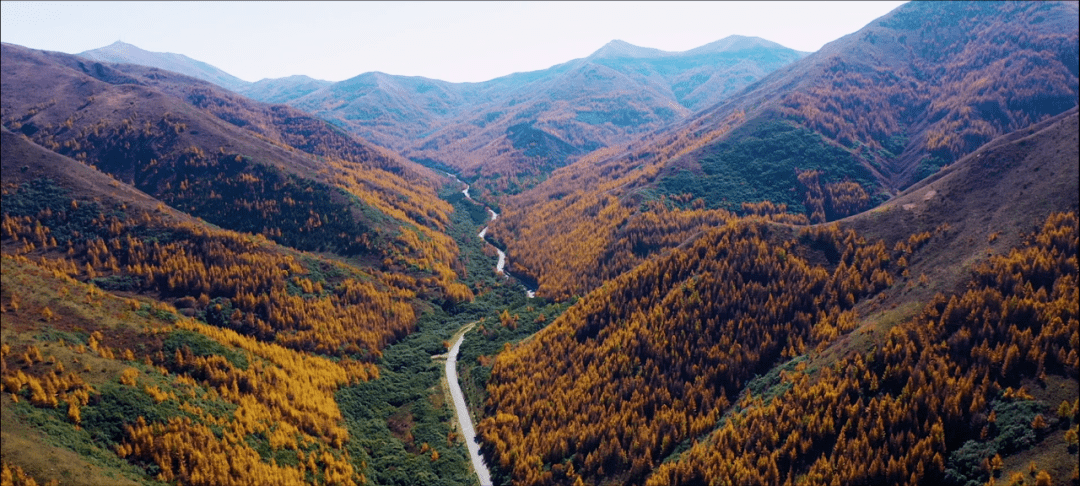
[452,41]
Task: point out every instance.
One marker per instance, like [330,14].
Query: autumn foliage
[952,75]
[893,414]
[271,316]
[222,404]
[654,357]
[253,288]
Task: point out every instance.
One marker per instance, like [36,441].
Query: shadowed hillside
[238,164]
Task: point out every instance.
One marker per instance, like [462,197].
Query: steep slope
[875,379]
[980,385]
[121,52]
[239,164]
[927,83]
[989,199]
[831,135]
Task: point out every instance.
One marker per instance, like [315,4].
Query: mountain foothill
[747,265]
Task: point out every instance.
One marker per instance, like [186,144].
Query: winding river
[500,267]
[502,255]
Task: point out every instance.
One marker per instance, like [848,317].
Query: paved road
[464,420]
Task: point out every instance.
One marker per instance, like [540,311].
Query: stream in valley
[500,267]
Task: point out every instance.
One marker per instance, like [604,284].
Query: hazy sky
[452,41]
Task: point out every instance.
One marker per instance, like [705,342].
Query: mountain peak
[619,48]
[118,49]
[122,52]
[735,43]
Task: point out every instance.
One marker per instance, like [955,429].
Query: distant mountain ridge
[121,52]
[281,90]
[619,48]
[608,98]
[269,90]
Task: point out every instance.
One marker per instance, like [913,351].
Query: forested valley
[735,265]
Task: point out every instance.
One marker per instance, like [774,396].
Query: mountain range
[751,265]
[516,129]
